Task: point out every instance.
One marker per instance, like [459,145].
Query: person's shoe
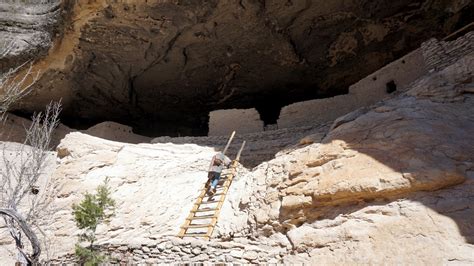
[212,191]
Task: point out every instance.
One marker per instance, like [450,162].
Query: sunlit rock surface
[392,184]
[350,197]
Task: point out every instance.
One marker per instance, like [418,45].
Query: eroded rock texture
[392,183]
[352,194]
[160,66]
[28,29]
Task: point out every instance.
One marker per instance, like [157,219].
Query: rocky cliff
[388,183]
[161,66]
[391,183]
[28,29]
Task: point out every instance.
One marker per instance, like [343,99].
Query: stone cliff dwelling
[377,86]
[347,126]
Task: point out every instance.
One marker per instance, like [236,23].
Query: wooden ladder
[203,217]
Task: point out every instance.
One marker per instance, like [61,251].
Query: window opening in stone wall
[391,87]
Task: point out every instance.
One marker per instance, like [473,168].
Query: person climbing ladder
[218,162]
[203,216]
[217,165]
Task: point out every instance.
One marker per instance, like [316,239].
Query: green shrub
[93,210]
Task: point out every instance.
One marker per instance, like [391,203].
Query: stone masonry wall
[176,250]
[367,91]
[260,147]
[316,111]
[116,132]
[440,54]
[223,122]
[401,72]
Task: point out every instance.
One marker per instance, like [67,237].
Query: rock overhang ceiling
[161,66]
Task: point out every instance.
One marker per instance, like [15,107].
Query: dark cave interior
[166,83]
[192,120]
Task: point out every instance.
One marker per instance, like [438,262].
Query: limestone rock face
[423,228]
[392,183]
[352,191]
[382,187]
[28,28]
[161,66]
[154,185]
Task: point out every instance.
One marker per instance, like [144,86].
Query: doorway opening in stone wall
[269,111]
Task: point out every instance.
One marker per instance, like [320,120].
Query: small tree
[88,214]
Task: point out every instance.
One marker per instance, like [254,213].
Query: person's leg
[210,176]
[215,180]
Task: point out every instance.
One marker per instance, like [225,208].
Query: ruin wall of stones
[396,76]
[175,250]
[223,122]
[115,132]
[373,88]
[440,54]
[260,146]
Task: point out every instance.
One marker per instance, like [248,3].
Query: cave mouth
[196,124]
[189,118]
[181,122]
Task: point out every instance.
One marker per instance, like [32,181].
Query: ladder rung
[195,235]
[218,187]
[206,210]
[219,182]
[217,193]
[201,217]
[197,226]
[210,202]
[207,201]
